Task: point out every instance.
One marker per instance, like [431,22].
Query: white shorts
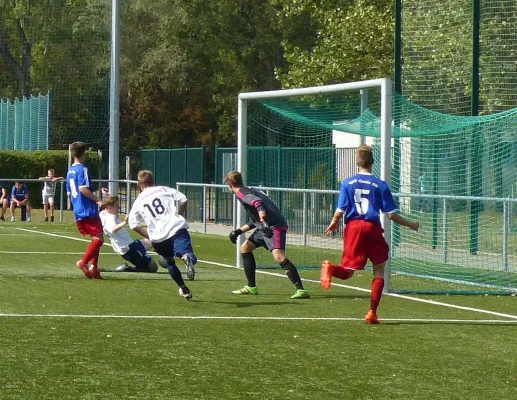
[48,198]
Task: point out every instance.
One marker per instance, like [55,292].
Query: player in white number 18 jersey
[166,226]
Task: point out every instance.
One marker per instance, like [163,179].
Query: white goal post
[385,86]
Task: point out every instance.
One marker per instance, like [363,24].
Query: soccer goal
[300,129]
[456,175]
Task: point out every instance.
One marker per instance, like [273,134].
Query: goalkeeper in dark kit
[270,233]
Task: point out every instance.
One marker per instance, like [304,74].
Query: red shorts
[90,226]
[363,240]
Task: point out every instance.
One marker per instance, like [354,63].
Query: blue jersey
[364,196]
[19,194]
[78,176]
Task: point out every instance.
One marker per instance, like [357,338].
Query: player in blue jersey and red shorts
[361,200]
[86,210]
[271,234]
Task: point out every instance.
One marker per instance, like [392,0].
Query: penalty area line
[400,296]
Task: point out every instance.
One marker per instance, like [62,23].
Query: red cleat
[82,266]
[95,273]
[326,274]
[371,318]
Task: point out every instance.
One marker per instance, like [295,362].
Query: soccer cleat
[371,318]
[52,219]
[2,219]
[301,294]
[82,266]
[246,290]
[46,219]
[191,272]
[326,274]
[123,268]
[95,273]
[12,219]
[185,292]
[29,219]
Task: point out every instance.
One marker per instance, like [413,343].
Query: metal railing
[126,197]
[445,219]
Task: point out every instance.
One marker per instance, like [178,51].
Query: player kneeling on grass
[271,234]
[361,200]
[166,226]
[134,251]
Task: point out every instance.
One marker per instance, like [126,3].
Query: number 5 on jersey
[361,202]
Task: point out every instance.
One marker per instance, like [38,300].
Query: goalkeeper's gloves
[234,235]
[266,230]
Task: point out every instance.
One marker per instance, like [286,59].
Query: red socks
[377,286]
[92,252]
[342,273]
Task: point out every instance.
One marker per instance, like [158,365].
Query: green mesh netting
[437,54]
[24,124]
[62,48]
[456,175]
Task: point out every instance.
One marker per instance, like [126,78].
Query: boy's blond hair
[145,178]
[364,157]
[233,178]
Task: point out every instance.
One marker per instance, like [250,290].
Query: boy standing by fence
[48,193]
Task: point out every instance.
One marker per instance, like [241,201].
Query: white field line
[248,318]
[53,253]
[437,303]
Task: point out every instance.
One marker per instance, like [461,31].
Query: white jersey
[120,240]
[49,188]
[156,206]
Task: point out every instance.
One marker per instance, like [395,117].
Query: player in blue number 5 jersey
[361,200]
[80,189]
[166,226]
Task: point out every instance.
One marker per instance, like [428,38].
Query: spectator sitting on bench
[20,198]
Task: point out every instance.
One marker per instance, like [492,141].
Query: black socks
[292,273]
[248,261]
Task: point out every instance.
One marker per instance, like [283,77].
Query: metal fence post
[204,209]
[61,201]
[506,230]
[445,239]
[128,185]
[304,219]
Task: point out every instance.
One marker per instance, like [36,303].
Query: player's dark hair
[233,178]
[145,178]
[110,201]
[364,157]
[78,149]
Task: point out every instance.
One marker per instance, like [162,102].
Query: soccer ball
[162,262]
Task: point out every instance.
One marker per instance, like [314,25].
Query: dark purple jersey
[254,201]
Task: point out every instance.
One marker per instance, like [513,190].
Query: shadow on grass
[365,296]
[248,304]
